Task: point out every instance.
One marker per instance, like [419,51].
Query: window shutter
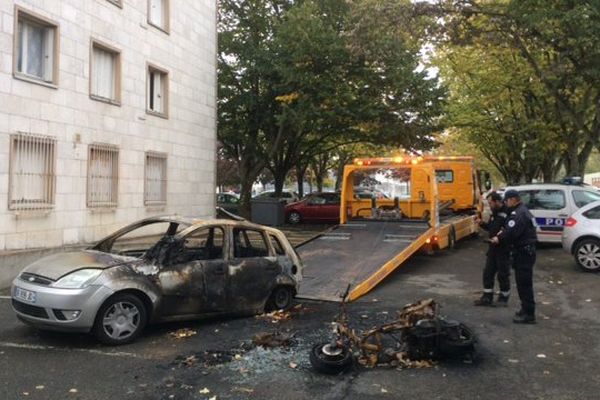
[156,12]
[103,81]
[48,60]
[158,102]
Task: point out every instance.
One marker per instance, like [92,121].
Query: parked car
[368,193]
[229,202]
[316,207]
[551,205]
[581,236]
[159,269]
[286,195]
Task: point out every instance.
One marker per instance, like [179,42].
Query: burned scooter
[417,337]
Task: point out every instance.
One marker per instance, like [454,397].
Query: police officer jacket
[519,229]
[496,222]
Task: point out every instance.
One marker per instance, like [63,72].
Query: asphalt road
[555,359]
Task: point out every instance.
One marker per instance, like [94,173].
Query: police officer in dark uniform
[497,256]
[519,233]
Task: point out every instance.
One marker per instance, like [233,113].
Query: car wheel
[120,320]
[587,255]
[294,218]
[281,298]
[329,359]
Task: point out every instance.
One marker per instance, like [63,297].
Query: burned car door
[193,275]
[252,271]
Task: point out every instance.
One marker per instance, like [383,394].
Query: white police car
[552,203]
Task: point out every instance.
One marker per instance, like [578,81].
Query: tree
[559,40]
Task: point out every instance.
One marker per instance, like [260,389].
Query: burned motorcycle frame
[415,339]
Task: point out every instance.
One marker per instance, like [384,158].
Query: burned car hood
[58,265]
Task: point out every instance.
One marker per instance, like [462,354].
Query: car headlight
[78,279]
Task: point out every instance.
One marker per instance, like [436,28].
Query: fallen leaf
[238,357]
[73,390]
[183,333]
[512,360]
[172,396]
[506,341]
[541,356]
[546,303]
[561,354]
[242,389]
[25,393]
[546,372]
[39,387]
[383,390]
[213,398]
[588,300]
[204,391]
[364,316]
[293,365]
[559,282]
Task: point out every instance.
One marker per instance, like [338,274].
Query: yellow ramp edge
[387,268]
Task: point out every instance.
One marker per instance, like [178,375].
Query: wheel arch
[581,239]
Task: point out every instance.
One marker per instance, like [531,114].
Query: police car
[552,203]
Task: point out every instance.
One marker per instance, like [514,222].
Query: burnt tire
[120,320]
[587,255]
[294,218]
[462,346]
[281,298]
[327,360]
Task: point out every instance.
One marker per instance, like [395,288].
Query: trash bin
[268,211]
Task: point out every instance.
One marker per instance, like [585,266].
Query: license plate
[26,295]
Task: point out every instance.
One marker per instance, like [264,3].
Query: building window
[36,48]
[155,183]
[157,91]
[158,14]
[105,73]
[103,176]
[32,172]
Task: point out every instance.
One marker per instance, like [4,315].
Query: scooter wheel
[462,347]
[329,359]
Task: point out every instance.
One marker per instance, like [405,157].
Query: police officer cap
[509,194]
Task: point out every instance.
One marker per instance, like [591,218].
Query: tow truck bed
[360,253]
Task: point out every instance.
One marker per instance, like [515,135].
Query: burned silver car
[159,269]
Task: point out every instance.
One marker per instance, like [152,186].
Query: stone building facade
[107,115]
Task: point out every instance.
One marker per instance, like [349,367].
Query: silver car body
[169,292]
[584,225]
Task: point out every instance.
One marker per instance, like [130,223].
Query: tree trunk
[245,195]
[300,181]
[279,179]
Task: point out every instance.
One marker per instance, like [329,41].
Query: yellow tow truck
[415,206]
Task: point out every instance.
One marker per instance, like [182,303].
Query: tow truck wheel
[451,239]
[294,218]
[281,298]
[330,359]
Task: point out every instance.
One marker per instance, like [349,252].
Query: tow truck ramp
[358,253]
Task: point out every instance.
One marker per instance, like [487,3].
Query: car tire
[294,218]
[120,320]
[281,298]
[587,255]
[330,362]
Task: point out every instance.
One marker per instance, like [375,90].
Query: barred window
[103,176]
[32,171]
[155,184]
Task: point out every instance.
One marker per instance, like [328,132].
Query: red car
[316,207]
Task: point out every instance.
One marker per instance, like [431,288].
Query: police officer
[519,233]
[497,256]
